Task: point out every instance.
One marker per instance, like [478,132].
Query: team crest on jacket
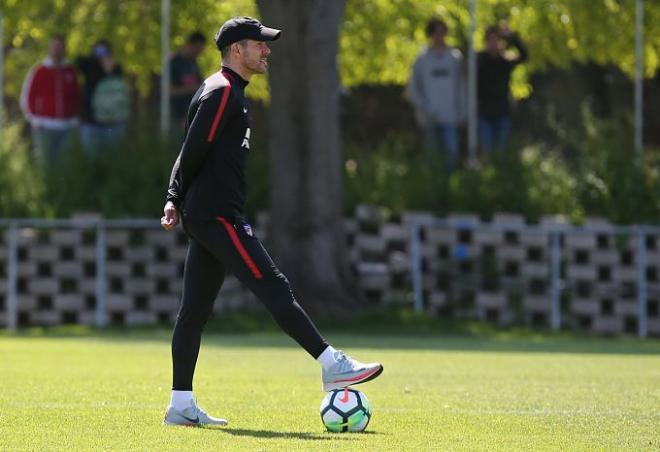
[248,229]
[246,139]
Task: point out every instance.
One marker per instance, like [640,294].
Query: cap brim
[269,34]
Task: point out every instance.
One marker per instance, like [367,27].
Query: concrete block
[138,286]
[120,269]
[164,303]
[438,299]
[534,237]
[511,253]
[370,244]
[491,300]
[68,269]
[398,262]
[117,237]
[488,237]
[87,285]
[162,238]
[139,253]
[585,307]
[604,257]
[69,302]
[69,237]
[607,324]
[27,302]
[87,318]
[119,302]
[624,274]
[585,241]
[441,235]
[163,270]
[393,232]
[86,253]
[44,286]
[537,303]
[582,272]
[140,318]
[44,253]
[411,217]
[626,308]
[27,269]
[535,270]
[45,318]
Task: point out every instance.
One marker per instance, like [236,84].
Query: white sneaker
[347,372]
[191,416]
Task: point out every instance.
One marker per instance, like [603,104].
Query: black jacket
[208,177]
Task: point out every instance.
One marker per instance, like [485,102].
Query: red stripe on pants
[240,248]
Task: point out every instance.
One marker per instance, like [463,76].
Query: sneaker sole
[327,387]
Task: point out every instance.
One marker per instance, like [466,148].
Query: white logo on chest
[246,139]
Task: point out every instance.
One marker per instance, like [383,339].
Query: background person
[50,101]
[106,99]
[494,67]
[185,77]
[437,91]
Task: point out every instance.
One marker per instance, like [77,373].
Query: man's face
[196,49]
[439,35]
[493,42]
[254,55]
[56,49]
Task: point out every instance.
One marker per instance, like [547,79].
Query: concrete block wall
[497,271]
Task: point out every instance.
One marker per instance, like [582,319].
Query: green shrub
[22,190]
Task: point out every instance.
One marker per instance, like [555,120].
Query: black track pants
[217,246]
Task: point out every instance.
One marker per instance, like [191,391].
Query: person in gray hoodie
[437,90]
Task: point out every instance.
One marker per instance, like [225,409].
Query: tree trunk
[306,203]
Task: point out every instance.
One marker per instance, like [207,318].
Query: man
[494,69]
[437,90]
[208,187]
[106,100]
[185,76]
[50,100]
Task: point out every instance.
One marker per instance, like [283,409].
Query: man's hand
[171,217]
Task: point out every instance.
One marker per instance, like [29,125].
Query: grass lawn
[93,391]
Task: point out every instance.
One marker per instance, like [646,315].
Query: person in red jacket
[50,101]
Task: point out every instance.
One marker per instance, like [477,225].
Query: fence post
[12,278]
[101,313]
[641,284]
[555,281]
[416,265]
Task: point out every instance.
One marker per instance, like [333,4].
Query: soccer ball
[345,410]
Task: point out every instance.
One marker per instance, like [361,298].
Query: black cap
[239,28]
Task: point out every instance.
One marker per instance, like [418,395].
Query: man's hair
[196,38]
[226,50]
[433,25]
[58,37]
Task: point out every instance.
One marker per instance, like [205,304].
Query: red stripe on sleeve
[218,115]
[240,248]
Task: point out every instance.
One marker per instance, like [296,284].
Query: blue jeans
[50,143]
[494,132]
[443,137]
[96,138]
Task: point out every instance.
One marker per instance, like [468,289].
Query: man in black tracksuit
[207,190]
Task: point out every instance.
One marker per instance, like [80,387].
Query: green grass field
[93,391]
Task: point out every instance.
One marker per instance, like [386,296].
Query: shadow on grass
[290,435]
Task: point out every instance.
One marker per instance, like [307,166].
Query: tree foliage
[380,38]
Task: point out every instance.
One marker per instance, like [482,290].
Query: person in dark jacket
[493,75]
[106,99]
